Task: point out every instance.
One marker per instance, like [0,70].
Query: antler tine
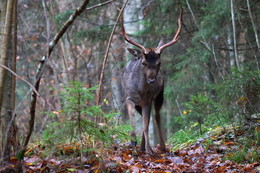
[128,39]
[175,38]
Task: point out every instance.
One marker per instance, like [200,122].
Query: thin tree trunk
[5,43]
[253,24]
[255,31]
[11,131]
[3,5]
[234,33]
[5,82]
[14,50]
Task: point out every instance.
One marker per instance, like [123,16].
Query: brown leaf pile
[201,157]
[194,158]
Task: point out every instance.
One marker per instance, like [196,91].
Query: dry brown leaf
[230,143]
[126,157]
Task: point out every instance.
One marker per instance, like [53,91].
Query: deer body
[142,88]
[137,86]
[143,85]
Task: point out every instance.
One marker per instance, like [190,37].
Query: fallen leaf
[230,143]
[200,150]
[163,161]
[183,153]
[135,169]
[177,160]
[126,157]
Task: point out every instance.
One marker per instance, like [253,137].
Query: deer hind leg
[158,102]
[131,111]
[139,109]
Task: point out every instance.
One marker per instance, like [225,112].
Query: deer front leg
[146,120]
[131,111]
[157,106]
[158,122]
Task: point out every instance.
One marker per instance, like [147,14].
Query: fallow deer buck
[143,85]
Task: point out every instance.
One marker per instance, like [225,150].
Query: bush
[236,101]
[238,95]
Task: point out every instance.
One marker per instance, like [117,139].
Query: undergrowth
[80,125]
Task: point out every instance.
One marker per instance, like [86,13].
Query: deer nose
[151,80]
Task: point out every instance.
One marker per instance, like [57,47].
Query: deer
[143,84]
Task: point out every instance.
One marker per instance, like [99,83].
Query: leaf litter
[199,157]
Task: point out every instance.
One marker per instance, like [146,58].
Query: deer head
[150,57]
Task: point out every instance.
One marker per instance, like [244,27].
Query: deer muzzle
[151,81]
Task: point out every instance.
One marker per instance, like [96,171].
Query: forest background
[211,74]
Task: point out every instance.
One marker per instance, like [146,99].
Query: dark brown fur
[143,85]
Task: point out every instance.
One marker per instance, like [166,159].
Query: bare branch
[99,5]
[28,83]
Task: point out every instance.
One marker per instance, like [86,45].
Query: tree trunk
[234,33]
[7,81]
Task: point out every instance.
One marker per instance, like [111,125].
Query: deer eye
[144,63]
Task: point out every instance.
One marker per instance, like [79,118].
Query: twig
[47,20]
[15,74]
[215,58]
[231,50]
[99,91]
[212,51]
[177,102]
[98,5]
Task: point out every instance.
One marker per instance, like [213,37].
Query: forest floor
[211,154]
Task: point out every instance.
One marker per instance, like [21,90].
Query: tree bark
[4,44]
[7,80]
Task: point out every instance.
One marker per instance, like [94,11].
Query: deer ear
[135,52]
[161,42]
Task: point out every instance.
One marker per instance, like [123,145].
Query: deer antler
[175,38]
[128,39]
